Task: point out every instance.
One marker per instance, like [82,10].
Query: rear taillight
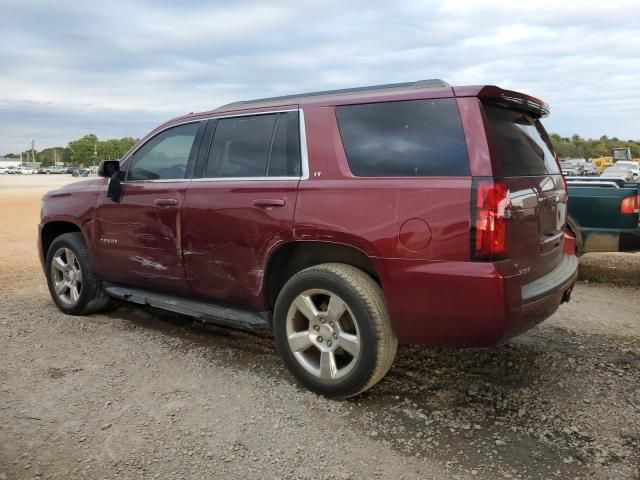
[489,211]
[630,205]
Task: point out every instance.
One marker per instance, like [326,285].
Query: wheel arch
[53,229]
[292,257]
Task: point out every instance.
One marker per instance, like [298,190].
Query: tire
[69,267]
[333,331]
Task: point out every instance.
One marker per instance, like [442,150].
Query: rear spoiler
[507,99]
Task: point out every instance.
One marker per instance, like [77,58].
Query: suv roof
[430,83]
[431,88]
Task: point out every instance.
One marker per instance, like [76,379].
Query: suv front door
[139,239]
[240,204]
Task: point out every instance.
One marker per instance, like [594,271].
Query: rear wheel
[72,281]
[333,330]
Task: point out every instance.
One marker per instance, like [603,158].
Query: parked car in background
[81,172]
[11,170]
[626,172]
[604,214]
[350,221]
[54,170]
[25,170]
[571,167]
[633,166]
[3,170]
[578,167]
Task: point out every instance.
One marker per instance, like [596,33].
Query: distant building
[9,162]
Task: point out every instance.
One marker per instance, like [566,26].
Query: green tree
[82,150]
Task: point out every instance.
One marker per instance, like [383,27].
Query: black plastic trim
[206,312]
[564,274]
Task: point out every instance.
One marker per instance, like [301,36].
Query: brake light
[490,211]
[630,205]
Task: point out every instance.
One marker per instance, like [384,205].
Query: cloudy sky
[118,68]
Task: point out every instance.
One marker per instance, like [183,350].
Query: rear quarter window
[523,144]
[415,138]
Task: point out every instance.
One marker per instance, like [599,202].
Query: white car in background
[630,174]
[633,167]
[3,170]
[25,170]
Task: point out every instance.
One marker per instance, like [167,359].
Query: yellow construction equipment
[602,162]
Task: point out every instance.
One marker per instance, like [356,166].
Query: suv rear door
[240,204]
[525,163]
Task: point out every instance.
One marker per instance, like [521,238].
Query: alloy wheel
[323,334]
[67,276]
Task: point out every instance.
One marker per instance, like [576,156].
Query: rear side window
[414,138]
[523,145]
[255,146]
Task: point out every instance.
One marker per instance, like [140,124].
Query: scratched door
[139,239]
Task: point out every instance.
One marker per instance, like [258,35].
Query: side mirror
[108,167]
[111,169]
[114,189]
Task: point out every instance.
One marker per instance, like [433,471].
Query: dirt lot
[142,394]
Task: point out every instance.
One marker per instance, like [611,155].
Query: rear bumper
[470,303]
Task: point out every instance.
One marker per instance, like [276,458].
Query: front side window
[165,156]
[415,138]
[255,146]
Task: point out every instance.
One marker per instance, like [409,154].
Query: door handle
[166,202]
[269,202]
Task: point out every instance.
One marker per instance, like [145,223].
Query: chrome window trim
[304,156]
[242,179]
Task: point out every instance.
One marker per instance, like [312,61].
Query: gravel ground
[138,393]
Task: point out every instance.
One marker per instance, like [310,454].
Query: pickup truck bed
[604,214]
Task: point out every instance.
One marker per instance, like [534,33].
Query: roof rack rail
[429,83]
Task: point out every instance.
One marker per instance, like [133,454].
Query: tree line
[578,147]
[84,152]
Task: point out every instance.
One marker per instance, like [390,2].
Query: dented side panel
[139,242]
[227,238]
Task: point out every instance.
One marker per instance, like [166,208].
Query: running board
[203,311]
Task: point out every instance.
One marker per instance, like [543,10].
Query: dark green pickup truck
[604,214]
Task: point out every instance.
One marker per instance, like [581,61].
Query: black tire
[364,300]
[91,298]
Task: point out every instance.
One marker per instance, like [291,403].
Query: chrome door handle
[166,202]
[269,202]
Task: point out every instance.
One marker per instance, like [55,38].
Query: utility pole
[95,154]
[33,152]
[20,154]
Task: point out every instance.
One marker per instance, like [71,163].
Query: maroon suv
[348,220]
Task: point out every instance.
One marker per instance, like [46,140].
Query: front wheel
[72,281]
[333,330]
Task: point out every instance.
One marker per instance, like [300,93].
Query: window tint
[523,144]
[165,156]
[255,146]
[409,138]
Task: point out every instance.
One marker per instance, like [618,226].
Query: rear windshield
[414,138]
[523,144]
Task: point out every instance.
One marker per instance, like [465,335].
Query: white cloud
[115,61]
